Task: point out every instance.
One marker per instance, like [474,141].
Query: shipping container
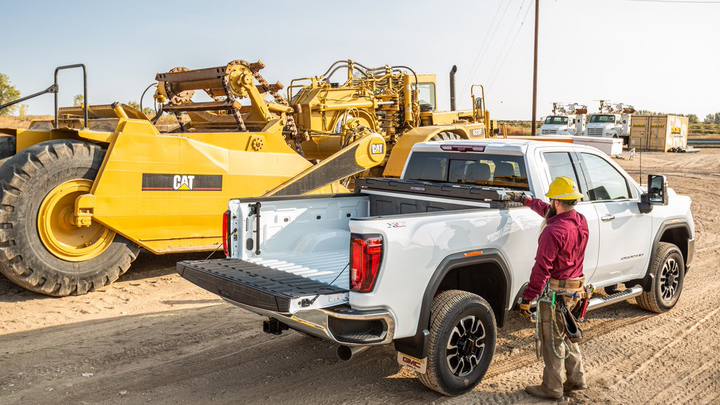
[658,132]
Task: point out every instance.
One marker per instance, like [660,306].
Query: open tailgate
[261,286]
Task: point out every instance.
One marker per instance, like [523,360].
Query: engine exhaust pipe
[452,87]
[346,353]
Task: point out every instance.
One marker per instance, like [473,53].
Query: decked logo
[181,182]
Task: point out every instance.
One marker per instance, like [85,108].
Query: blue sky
[656,56]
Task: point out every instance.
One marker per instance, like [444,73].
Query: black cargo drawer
[252,284]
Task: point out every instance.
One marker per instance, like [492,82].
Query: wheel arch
[478,274]
[675,231]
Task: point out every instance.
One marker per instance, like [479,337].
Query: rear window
[468,168]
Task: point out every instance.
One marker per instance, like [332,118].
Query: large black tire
[7,147]
[668,270]
[445,136]
[451,315]
[25,181]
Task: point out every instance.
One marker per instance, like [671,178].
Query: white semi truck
[567,119]
[613,121]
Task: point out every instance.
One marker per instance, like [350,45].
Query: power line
[473,71]
[477,55]
[512,44]
[507,38]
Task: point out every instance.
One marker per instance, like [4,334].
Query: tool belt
[570,291]
[567,283]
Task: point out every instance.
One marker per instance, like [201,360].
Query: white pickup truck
[433,261]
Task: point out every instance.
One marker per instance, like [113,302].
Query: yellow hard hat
[563,188]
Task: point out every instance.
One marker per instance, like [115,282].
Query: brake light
[225,233]
[464,148]
[365,256]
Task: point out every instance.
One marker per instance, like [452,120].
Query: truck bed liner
[252,284]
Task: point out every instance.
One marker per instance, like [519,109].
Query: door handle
[608,217]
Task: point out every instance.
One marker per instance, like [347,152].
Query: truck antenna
[641,149]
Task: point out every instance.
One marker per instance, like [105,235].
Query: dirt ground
[153,337]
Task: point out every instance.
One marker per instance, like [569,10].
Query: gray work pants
[553,372]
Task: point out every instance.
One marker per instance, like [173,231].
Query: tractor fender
[401,150]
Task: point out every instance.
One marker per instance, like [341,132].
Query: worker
[559,258]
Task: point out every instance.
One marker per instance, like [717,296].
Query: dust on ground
[153,337]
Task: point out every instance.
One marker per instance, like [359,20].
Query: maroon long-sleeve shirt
[561,247]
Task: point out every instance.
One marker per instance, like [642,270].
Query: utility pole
[535,70]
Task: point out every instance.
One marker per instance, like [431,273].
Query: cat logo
[183,182]
[377,148]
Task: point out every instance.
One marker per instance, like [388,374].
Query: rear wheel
[668,270]
[462,342]
[41,248]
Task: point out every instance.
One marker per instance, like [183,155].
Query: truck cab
[612,121]
[558,125]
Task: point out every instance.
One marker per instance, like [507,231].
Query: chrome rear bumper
[342,325]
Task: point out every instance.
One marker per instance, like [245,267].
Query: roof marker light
[463,148]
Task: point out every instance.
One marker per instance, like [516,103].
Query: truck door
[565,164]
[624,231]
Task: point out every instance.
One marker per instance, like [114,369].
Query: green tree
[693,118]
[22,111]
[8,93]
[78,100]
[150,112]
[710,118]
[133,104]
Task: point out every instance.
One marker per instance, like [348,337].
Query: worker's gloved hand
[516,196]
[525,307]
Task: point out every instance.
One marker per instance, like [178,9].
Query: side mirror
[479,103]
[656,195]
[657,189]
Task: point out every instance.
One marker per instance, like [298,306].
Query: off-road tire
[448,308]
[653,300]
[25,180]
[445,136]
[7,146]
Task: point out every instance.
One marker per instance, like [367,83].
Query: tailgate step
[252,284]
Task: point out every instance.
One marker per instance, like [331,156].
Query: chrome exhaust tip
[346,353]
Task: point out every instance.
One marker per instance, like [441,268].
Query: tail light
[365,256]
[226,233]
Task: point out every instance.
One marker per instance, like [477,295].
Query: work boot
[568,386]
[541,392]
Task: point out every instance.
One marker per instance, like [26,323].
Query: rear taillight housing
[226,232]
[365,256]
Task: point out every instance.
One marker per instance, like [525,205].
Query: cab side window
[604,181]
[560,164]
